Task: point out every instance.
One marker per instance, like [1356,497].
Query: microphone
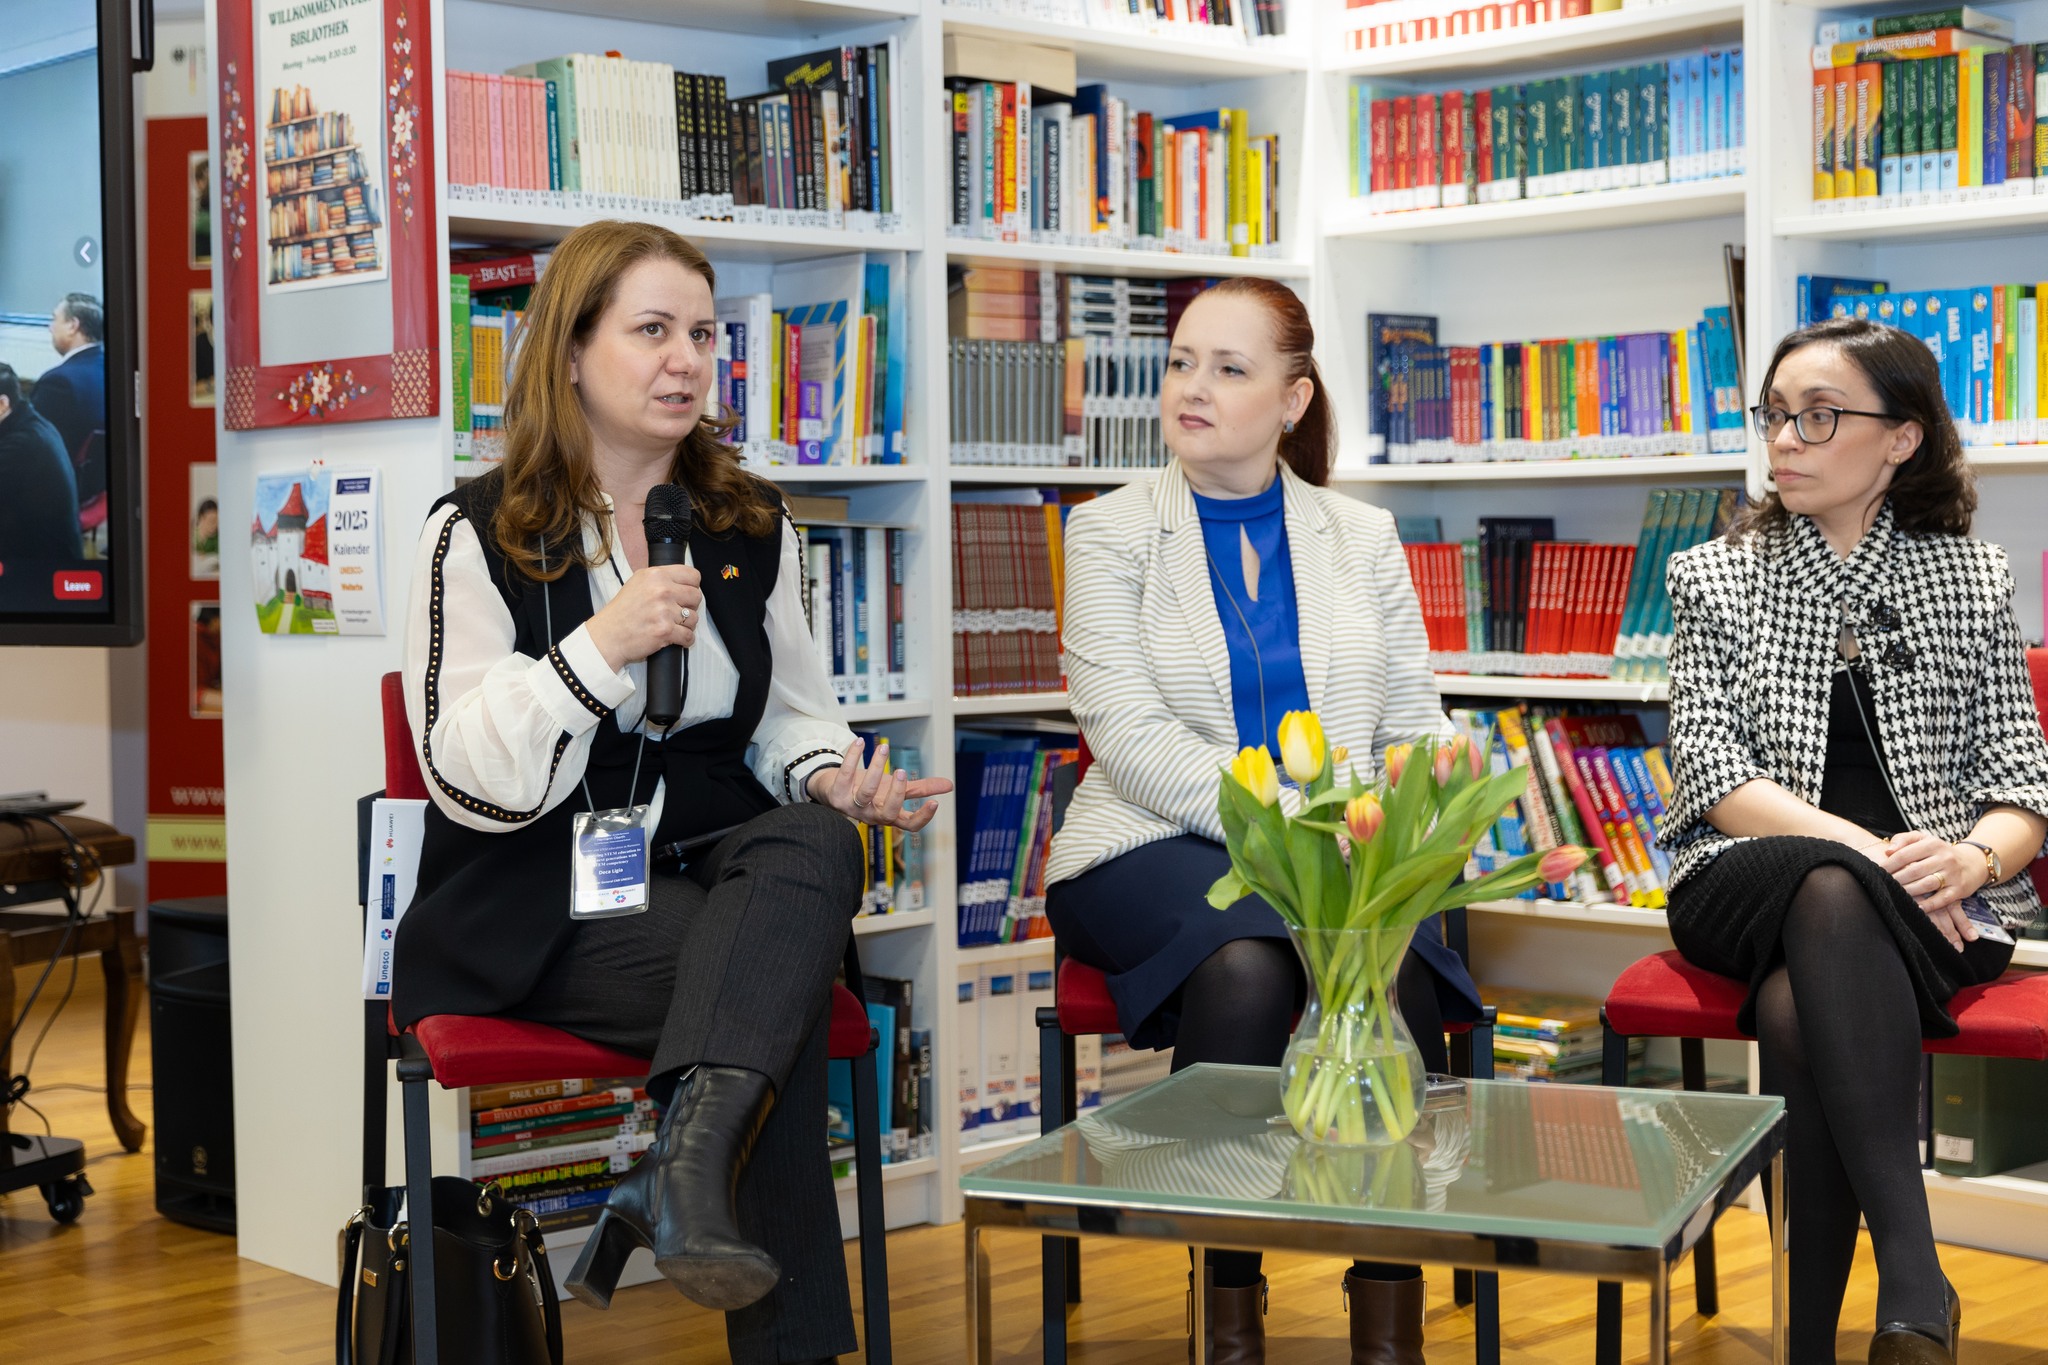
[667,524]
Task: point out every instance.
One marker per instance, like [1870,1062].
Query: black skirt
[1727,918]
[1144,921]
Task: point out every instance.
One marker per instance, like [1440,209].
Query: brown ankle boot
[1386,1320]
[1237,1322]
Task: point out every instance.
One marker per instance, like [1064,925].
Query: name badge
[609,856]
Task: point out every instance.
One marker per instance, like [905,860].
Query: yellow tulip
[1301,745]
[1340,755]
[1253,769]
[1363,816]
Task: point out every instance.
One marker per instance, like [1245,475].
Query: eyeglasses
[1815,425]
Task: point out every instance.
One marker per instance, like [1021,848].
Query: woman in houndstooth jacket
[1858,766]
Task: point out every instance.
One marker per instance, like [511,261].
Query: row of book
[1087,169]
[1372,25]
[1004,783]
[812,371]
[1640,125]
[1594,781]
[1987,340]
[1230,21]
[1007,571]
[558,1147]
[996,1050]
[1516,601]
[906,1101]
[296,129]
[1926,108]
[816,149]
[1642,393]
[853,596]
[1551,1038]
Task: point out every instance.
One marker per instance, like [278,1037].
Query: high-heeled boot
[1386,1320]
[1236,1322]
[678,1202]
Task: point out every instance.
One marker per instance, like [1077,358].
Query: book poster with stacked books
[320,143]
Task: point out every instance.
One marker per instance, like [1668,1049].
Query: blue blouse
[1263,633]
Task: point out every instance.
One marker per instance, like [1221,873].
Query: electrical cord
[75,880]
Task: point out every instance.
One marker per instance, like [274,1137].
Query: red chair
[1664,996]
[459,1050]
[1082,1005]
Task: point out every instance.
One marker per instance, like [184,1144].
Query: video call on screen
[53,374]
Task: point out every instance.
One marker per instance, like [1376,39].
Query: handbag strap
[544,1275]
[345,1300]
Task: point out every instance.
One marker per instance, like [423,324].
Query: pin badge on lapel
[729,572]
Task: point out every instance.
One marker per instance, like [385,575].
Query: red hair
[1308,448]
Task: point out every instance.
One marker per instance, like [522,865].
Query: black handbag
[495,1299]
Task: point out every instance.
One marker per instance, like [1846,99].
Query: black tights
[1838,1029]
[1238,1007]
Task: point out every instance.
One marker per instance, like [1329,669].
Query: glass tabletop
[1499,1158]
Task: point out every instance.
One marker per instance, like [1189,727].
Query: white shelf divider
[549,217]
[1008,952]
[1997,215]
[1096,260]
[843,473]
[1551,689]
[1051,475]
[1011,704]
[864,925]
[1544,471]
[1685,201]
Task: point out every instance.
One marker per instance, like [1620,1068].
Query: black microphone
[667,523]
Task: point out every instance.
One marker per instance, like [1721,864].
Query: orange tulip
[1397,760]
[1560,862]
[1363,816]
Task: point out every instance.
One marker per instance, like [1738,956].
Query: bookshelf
[1570,265]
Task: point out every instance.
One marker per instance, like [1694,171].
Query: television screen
[70,493]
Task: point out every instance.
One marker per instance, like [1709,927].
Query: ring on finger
[1940,880]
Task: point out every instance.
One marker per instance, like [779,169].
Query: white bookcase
[1621,260]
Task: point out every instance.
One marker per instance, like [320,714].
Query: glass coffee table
[1586,1181]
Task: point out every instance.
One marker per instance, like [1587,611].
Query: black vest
[491,909]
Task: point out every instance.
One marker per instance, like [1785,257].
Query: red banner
[186,842]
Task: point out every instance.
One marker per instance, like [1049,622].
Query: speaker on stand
[192,1058]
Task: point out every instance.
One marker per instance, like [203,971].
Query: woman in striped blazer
[1200,609]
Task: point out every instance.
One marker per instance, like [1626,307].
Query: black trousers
[732,965]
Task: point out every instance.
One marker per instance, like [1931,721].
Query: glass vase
[1352,1076]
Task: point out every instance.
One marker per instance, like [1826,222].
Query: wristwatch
[1992,861]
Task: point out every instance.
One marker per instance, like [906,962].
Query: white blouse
[502,713]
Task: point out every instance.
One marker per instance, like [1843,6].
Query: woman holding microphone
[535,611]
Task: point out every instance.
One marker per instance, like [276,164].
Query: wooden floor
[124,1285]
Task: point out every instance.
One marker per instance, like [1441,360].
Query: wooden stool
[34,867]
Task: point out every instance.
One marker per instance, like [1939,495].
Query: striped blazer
[1753,657]
[1148,672]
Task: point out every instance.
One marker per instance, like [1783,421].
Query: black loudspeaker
[192,1058]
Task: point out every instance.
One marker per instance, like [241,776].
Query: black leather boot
[678,1202]
[1921,1343]
[1236,1321]
[1386,1320]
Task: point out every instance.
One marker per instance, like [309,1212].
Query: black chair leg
[1607,1300]
[416,1074]
[1056,1107]
[1485,1284]
[1070,1101]
[376,1079]
[874,1230]
[1706,1284]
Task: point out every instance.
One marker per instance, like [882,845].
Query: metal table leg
[1660,1313]
[980,1336]
[1780,1284]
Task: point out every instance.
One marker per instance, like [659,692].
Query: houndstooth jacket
[1756,621]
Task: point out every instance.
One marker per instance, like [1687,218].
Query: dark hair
[85,310]
[205,505]
[10,384]
[1307,449]
[1934,490]
[550,485]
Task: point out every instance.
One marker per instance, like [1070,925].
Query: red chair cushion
[2003,1018]
[1664,996]
[1081,994]
[402,780]
[850,1029]
[468,1050]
